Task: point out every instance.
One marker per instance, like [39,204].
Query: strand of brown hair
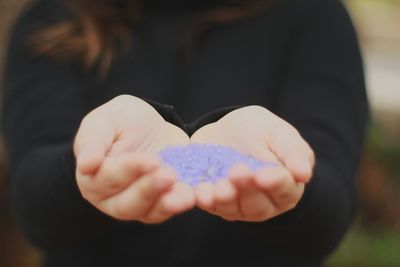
[97,35]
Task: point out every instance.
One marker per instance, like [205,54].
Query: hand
[268,192]
[118,171]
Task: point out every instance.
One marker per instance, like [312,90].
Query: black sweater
[299,58]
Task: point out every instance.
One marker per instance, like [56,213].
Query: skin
[119,172]
[261,195]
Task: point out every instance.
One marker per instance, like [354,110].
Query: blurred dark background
[374,239]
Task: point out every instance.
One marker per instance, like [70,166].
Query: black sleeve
[324,97]
[43,104]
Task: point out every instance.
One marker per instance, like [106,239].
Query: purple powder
[196,163]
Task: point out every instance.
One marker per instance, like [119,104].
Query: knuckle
[111,183]
[86,194]
[259,217]
[108,179]
[229,215]
[291,201]
[121,213]
[291,204]
[86,189]
[257,214]
[132,165]
[154,218]
[153,221]
[230,218]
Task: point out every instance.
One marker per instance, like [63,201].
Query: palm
[138,127]
[245,130]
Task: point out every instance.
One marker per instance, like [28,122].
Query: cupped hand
[118,171]
[256,196]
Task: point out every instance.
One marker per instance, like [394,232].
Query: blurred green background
[374,238]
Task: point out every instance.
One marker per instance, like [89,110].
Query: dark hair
[100,28]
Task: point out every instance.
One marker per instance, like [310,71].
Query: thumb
[92,142]
[300,166]
[294,152]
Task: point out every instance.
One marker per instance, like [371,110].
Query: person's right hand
[118,171]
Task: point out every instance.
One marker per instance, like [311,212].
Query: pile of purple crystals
[196,163]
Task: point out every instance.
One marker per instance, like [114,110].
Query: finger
[293,151]
[116,173]
[226,204]
[253,204]
[125,143]
[265,154]
[139,197]
[225,191]
[205,196]
[178,199]
[240,174]
[93,140]
[280,186]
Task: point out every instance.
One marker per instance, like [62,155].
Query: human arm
[43,107]
[323,96]
[118,171]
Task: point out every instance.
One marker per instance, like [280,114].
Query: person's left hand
[256,196]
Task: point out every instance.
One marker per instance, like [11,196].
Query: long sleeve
[322,94]
[44,102]
[324,97]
